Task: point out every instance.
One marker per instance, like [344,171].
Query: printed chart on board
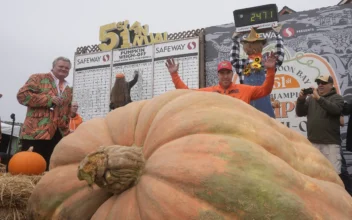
[186,53]
[128,61]
[91,84]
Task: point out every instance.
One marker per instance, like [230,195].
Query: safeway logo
[106,57]
[288,32]
[191,45]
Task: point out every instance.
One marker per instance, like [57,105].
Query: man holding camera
[323,108]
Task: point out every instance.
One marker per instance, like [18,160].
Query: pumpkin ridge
[200,126]
[123,206]
[151,108]
[231,135]
[250,173]
[221,134]
[136,198]
[58,203]
[122,122]
[155,119]
[87,138]
[50,195]
[171,182]
[168,183]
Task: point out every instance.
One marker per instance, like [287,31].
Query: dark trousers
[345,176]
[43,147]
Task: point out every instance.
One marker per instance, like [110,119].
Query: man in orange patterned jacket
[48,98]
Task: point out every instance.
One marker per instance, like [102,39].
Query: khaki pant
[332,153]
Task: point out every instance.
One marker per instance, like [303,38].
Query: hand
[270,62]
[171,66]
[302,95]
[342,121]
[277,29]
[315,94]
[57,101]
[275,104]
[136,72]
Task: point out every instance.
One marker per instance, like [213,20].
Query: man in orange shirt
[75,118]
[244,92]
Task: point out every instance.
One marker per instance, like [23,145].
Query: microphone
[53,104]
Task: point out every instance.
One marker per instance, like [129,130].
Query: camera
[307,91]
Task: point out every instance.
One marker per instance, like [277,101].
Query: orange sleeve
[32,94]
[177,81]
[266,88]
[79,121]
[180,85]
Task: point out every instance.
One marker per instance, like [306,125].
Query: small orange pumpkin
[27,163]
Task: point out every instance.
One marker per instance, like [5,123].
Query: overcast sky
[35,32]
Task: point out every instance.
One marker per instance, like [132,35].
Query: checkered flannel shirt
[239,64]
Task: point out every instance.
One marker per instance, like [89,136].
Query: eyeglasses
[321,82]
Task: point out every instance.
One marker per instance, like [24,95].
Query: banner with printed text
[298,71]
[316,42]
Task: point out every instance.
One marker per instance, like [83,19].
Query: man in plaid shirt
[251,70]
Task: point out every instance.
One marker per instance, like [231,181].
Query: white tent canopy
[6,129]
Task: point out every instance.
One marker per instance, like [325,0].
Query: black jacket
[129,85]
[323,117]
[347,110]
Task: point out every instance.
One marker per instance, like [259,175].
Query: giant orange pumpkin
[188,155]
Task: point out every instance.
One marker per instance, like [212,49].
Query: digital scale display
[260,17]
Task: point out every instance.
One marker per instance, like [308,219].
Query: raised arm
[302,104]
[134,80]
[173,68]
[266,88]
[179,84]
[333,106]
[31,95]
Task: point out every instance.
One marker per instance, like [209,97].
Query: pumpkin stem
[115,168]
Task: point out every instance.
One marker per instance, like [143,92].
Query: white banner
[298,71]
[175,48]
[132,54]
[91,60]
